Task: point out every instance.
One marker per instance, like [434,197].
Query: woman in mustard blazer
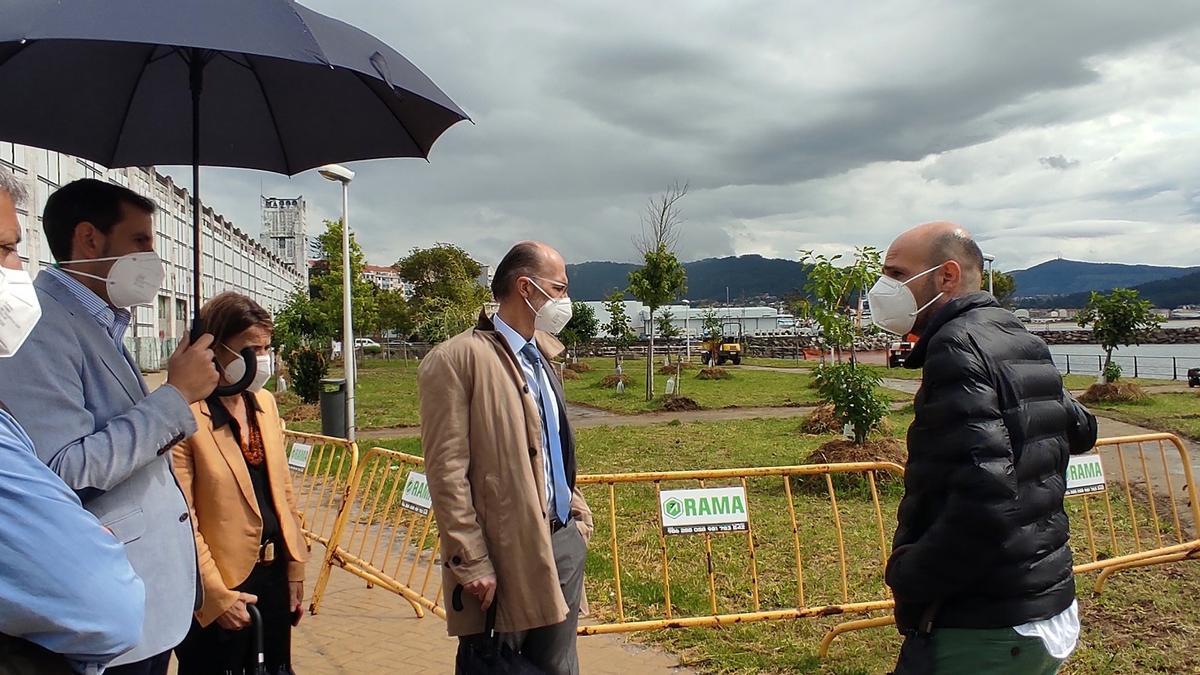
[234,474]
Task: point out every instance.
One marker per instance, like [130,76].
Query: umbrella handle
[256,625]
[248,357]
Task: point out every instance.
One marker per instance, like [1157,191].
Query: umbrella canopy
[257,84]
[281,88]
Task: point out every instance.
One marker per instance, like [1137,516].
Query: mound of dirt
[610,381]
[579,367]
[679,404]
[875,450]
[821,421]
[568,374]
[714,374]
[1114,392]
[670,370]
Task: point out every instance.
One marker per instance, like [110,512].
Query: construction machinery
[728,349]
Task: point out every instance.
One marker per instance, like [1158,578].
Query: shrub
[853,392]
[308,367]
[1112,372]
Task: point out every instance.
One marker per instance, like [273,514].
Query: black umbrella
[258,84]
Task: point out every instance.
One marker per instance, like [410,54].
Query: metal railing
[322,467]
[1148,512]
[1149,367]
[814,541]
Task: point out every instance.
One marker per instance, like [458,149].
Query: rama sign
[1085,475]
[704,510]
[416,494]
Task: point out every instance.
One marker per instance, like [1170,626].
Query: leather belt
[556,525]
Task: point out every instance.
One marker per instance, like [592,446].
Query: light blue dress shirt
[65,583]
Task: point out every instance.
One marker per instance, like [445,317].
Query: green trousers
[992,651]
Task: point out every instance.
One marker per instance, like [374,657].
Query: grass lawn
[387,397]
[1146,621]
[746,389]
[1177,413]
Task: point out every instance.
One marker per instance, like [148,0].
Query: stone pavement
[364,631]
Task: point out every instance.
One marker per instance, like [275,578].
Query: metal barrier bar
[316,486]
[1186,547]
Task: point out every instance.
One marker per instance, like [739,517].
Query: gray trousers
[552,648]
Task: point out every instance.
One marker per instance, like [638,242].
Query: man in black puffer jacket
[980,567]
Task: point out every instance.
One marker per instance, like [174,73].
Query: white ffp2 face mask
[19,310]
[554,315]
[893,305]
[237,369]
[134,279]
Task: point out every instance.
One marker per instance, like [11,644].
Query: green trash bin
[333,407]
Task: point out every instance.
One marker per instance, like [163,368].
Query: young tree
[661,278]
[326,288]
[581,328]
[302,332]
[395,315]
[1118,318]
[617,329]
[713,332]
[446,294]
[835,290]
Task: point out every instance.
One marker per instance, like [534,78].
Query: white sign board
[298,457]
[704,510]
[416,494]
[1085,475]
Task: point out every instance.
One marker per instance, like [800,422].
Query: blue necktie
[551,440]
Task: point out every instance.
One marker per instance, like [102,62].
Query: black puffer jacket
[982,532]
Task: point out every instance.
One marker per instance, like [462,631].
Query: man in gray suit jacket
[83,401]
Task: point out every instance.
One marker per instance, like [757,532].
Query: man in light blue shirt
[66,586]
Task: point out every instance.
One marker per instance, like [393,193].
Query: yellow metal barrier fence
[385,533]
[809,541]
[1144,512]
[322,467]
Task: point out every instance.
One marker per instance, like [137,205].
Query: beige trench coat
[481,437]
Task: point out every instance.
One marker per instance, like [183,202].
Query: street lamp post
[340,174]
[687,336]
[991,277]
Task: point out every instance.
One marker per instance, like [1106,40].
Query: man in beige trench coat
[500,461]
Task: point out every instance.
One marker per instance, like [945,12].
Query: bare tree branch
[663,220]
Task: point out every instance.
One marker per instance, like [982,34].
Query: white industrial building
[231,259]
[690,320]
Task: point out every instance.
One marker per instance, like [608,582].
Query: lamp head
[336,172]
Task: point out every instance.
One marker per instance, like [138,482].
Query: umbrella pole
[196,71]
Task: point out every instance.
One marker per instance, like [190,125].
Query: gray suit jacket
[92,420]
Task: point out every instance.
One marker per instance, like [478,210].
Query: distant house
[386,279]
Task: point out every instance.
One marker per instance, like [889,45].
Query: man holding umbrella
[83,401]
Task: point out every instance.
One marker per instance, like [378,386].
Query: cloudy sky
[1064,128]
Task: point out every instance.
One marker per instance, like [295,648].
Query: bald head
[527,259]
[932,244]
[946,251]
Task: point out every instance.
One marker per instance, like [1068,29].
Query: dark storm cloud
[583,110]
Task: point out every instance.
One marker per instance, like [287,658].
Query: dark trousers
[155,665]
[212,650]
[552,648]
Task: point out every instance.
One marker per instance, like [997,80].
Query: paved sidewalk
[362,631]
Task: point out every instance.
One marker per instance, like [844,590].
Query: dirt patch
[679,404]
[1114,392]
[568,374]
[875,450]
[579,367]
[610,381]
[670,370]
[821,421]
[714,374]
